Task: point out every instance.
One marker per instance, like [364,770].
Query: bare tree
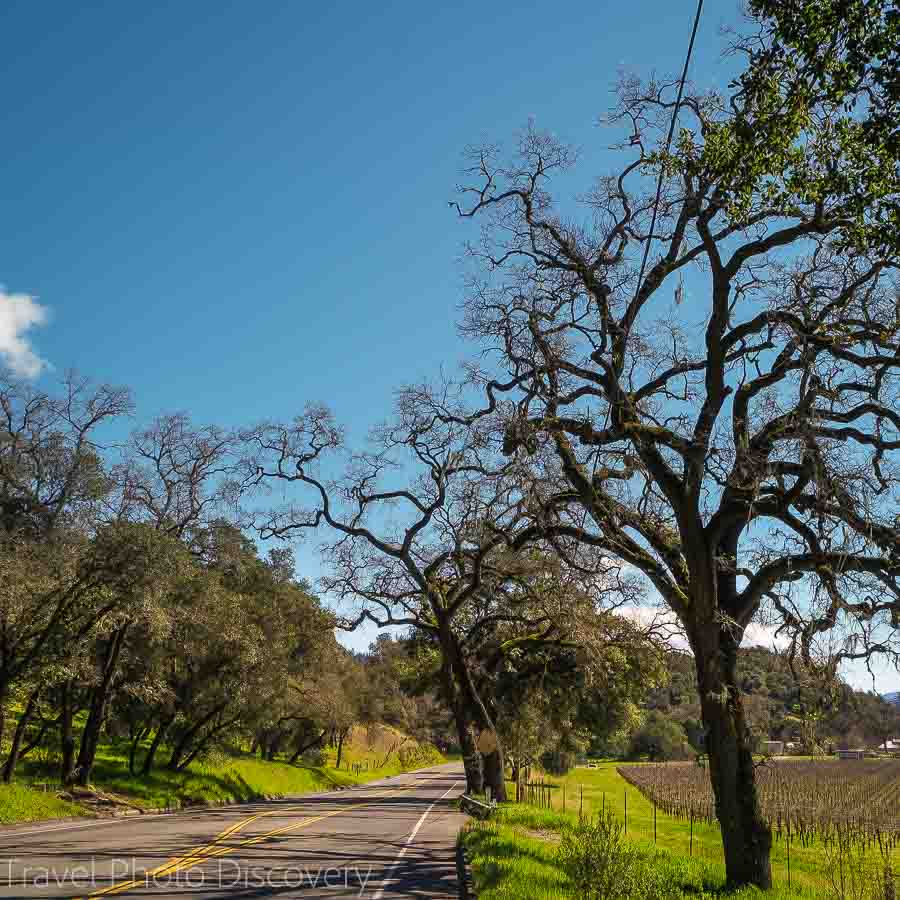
[424,551]
[727,424]
[179,477]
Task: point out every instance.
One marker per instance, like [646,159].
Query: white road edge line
[408,842]
[113,820]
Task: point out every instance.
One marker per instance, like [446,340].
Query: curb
[476,808]
[110,816]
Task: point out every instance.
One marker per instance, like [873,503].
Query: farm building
[850,754]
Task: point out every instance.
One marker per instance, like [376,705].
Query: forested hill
[781,707]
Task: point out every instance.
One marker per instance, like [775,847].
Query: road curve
[387,839]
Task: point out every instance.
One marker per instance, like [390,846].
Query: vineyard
[803,800]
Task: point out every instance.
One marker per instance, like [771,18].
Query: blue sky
[237,208]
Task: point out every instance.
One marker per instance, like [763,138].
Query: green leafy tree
[659,738]
[52,481]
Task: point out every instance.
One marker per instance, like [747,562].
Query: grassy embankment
[222,778]
[19,803]
[514,855]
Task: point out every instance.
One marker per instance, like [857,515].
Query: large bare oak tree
[727,424]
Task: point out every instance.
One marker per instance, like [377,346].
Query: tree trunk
[204,742]
[4,698]
[519,776]
[10,767]
[181,748]
[164,725]
[494,775]
[302,748]
[274,746]
[340,747]
[177,754]
[746,836]
[471,757]
[475,711]
[90,737]
[264,739]
[66,733]
[37,739]
[465,733]
[137,735]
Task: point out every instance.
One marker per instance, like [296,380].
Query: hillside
[779,707]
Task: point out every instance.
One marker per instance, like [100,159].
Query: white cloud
[666,625]
[19,313]
[758,635]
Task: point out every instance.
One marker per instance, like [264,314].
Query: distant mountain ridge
[774,702]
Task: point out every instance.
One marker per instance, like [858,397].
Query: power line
[684,71]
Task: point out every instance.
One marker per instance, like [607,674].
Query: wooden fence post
[789,858]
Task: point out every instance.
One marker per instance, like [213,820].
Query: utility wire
[659,182]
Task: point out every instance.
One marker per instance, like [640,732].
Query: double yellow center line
[217,847]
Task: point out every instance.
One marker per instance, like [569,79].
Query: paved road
[389,839]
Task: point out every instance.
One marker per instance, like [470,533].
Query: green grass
[23,804]
[220,780]
[508,864]
[603,787]
[514,857]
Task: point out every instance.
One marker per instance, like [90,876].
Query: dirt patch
[548,837]
[99,802]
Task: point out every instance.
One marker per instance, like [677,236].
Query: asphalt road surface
[388,839]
